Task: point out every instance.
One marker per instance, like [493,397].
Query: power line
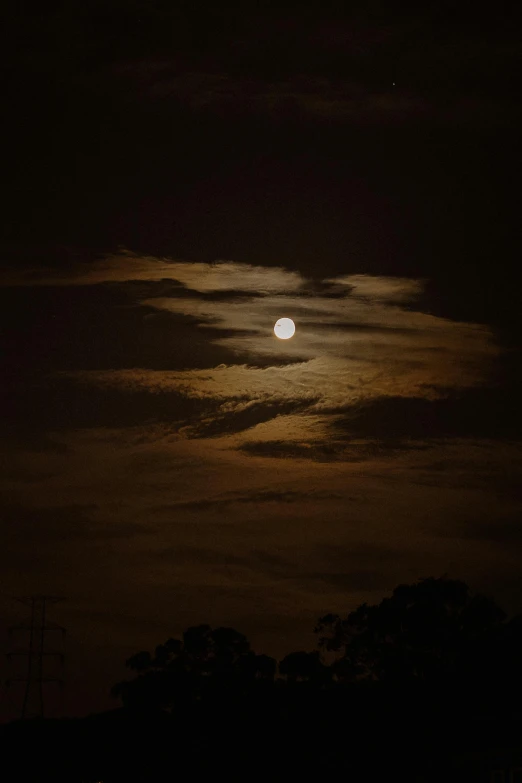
[34,650]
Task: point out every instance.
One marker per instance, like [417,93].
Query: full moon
[284,328]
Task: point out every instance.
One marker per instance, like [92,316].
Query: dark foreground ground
[302,736]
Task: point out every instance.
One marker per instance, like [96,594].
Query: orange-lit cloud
[358,338]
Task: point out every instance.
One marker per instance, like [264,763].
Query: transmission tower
[34,651]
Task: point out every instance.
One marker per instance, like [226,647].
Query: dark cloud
[322,452]
[355,327]
[363,567]
[356,580]
[256,498]
[475,413]
[245,418]
[500,530]
[387,426]
[330,450]
[61,404]
[50,328]
[319,64]
[328,289]
[479,467]
[270,187]
[197,555]
[58,524]
[18,438]
[228,296]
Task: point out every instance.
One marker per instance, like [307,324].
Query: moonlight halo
[284,328]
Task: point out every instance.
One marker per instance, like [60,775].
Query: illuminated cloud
[126,266]
[365,342]
[382,289]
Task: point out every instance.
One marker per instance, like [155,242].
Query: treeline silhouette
[423,685]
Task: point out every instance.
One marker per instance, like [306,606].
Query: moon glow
[284,328]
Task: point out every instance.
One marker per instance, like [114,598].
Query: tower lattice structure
[34,650]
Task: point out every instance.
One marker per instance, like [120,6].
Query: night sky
[178,176]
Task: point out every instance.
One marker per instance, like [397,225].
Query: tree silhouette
[423,632]
[305,667]
[430,637]
[206,662]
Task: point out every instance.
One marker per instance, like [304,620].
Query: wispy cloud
[359,339]
[221,276]
[228,499]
